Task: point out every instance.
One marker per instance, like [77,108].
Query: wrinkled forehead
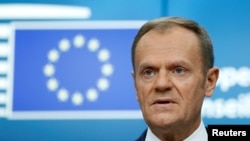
[181,32]
[177,44]
[171,35]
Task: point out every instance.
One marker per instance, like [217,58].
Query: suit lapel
[142,136]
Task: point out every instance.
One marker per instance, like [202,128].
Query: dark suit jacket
[142,137]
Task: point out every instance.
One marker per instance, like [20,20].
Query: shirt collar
[200,134]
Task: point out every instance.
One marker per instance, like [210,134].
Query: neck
[177,132]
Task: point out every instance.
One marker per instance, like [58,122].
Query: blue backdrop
[227,21]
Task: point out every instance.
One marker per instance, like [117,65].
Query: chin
[162,120]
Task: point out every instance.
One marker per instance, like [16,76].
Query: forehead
[174,36]
[176,43]
[171,33]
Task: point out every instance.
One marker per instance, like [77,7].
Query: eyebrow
[180,62]
[144,64]
[176,63]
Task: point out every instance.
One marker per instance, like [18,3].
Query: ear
[211,79]
[133,75]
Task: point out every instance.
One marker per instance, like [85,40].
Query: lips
[164,101]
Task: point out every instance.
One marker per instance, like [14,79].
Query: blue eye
[148,72]
[179,70]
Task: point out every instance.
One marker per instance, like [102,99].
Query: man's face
[169,78]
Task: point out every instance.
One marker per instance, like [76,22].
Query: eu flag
[79,67]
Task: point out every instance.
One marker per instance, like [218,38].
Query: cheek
[140,86]
[192,91]
[142,93]
[194,96]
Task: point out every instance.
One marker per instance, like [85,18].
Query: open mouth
[164,102]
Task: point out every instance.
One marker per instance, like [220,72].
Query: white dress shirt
[200,134]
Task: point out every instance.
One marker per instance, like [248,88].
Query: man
[173,71]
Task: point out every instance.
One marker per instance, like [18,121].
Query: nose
[163,82]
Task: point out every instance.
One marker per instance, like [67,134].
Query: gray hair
[164,23]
